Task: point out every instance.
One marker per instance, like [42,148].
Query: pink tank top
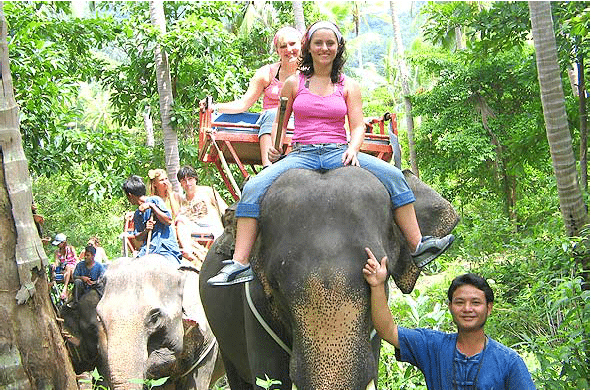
[271,93]
[319,119]
[68,257]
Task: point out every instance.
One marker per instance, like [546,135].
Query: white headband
[327,25]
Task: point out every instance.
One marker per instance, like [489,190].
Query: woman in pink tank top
[268,81]
[65,258]
[322,98]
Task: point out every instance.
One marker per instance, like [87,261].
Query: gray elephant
[152,325]
[305,319]
[80,323]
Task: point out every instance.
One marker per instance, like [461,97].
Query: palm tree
[571,202]
[30,331]
[404,76]
[299,16]
[165,94]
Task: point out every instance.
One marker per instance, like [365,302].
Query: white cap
[59,238]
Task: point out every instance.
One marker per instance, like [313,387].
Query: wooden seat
[233,139]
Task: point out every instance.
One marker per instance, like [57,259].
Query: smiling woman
[268,81]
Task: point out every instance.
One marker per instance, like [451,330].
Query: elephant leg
[234,380]
[266,357]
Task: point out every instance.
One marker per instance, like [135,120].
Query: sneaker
[232,273]
[429,248]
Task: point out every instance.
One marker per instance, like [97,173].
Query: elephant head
[310,289]
[80,322]
[142,332]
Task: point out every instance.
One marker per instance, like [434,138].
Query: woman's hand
[350,157]
[273,154]
[375,273]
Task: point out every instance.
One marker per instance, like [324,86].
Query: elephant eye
[154,317]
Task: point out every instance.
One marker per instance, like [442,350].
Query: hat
[59,238]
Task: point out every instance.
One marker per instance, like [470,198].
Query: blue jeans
[322,157]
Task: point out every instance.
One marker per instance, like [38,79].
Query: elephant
[309,291]
[80,323]
[151,324]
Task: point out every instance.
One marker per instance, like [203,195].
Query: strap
[264,324]
[201,357]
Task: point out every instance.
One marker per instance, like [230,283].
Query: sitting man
[468,359]
[152,221]
[199,215]
[87,274]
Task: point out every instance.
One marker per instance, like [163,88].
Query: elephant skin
[152,325]
[80,322]
[309,286]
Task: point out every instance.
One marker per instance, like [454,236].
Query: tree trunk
[32,353]
[299,16]
[148,127]
[165,94]
[571,203]
[584,123]
[405,87]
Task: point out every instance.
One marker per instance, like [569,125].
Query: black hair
[91,249]
[134,185]
[305,65]
[187,171]
[475,281]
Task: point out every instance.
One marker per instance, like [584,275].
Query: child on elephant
[321,97]
[152,221]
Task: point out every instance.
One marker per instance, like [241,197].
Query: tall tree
[571,202]
[299,16]
[31,347]
[404,77]
[165,94]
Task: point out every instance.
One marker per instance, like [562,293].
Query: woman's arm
[289,91]
[256,86]
[161,215]
[376,275]
[355,118]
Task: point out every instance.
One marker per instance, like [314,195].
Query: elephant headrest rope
[268,329]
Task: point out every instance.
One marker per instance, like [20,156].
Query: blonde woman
[161,186]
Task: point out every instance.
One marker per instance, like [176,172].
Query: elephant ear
[225,243]
[435,215]
[192,307]
[404,271]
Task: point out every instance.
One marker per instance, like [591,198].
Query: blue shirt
[497,367]
[163,240]
[94,273]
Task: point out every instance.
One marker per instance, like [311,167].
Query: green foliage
[79,219]
[267,383]
[50,53]
[542,309]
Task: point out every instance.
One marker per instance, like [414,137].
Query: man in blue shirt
[87,273]
[464,360]
[153,216]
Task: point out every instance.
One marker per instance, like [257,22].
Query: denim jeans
[322,157]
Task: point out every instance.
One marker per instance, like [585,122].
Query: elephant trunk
[126,357]
[331,348]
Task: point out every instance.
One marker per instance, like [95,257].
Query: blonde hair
[155,175]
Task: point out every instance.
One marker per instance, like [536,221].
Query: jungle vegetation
[84,80]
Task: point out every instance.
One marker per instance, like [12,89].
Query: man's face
[88,257]
[188,183]
[469,308]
